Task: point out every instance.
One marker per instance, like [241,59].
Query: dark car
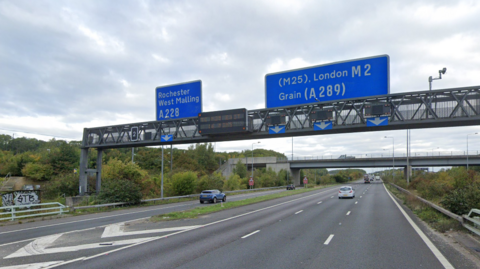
[290,187]
[212,196]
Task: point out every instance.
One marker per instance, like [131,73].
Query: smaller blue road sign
[324,125]
[378,121]
[166,138]
[178,101]
[276,130]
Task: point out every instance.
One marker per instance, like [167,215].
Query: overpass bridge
[419,159]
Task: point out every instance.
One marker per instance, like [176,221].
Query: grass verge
[194,213]
[432,217]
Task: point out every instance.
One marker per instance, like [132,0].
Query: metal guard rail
[11,210]
[474,219]
[462,219]
[166,198]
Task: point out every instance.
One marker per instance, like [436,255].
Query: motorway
[310,230]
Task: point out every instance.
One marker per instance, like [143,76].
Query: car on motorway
[212,196]
[346,192]
[290,187]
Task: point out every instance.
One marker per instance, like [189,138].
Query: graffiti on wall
[20,198]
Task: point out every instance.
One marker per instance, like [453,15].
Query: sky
[68,65]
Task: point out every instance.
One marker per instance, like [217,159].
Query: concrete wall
[268,162]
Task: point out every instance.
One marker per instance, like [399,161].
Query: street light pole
[440,72]
[393,154]
[432,156]
[467,147]
[252,156]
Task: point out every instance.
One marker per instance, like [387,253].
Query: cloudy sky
[67,65]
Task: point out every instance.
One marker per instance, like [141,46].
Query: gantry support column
[83,171]
[99,170]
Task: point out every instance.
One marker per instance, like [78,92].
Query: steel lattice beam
[427,109]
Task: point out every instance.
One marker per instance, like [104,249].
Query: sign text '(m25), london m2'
[343,80]
[178,101]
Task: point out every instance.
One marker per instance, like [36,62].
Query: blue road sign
[378,121]
[321,126]
[335,81]
[280,129]
[178,101]
[166,138]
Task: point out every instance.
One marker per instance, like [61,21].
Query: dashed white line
[319,202]
[360,196]
[348,213]
[245,236]
[328,240]
[298,212]
[331,197]
[356,202]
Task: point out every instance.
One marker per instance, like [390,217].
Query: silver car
[346,192]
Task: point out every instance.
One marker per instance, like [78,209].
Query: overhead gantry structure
[412,110]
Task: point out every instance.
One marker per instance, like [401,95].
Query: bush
[37,171]
[183,183]
[208,182]
[120,190]
[63,184]
[460,201]
[233,183]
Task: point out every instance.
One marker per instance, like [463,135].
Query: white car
[346,192]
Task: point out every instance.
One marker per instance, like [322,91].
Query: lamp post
[393,156]
[252,155]
[432,156]
[467,147]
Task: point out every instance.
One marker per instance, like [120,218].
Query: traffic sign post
[251,182]
[334,81]
[305,181]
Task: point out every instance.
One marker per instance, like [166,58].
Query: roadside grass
[432,217]
[194,213]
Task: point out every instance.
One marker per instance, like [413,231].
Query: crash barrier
[166,198]
[19,211]
[472,217]
[472,221]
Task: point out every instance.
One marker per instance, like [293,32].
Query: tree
[240,169]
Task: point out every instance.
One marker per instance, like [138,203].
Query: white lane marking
[319,202]
[431,246]
[63,263]
[57,224]
[348,213]
[245,236]
[32,265]
[331,197]
[117,229]
[328,239]
[150,239]
[37,249]
[298,212]
[356,202]
[360,196]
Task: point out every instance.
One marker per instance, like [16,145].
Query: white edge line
[245,236]
[208,224]
[431,246]
[328,240]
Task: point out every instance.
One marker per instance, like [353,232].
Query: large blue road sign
[335,81]
[179,100]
